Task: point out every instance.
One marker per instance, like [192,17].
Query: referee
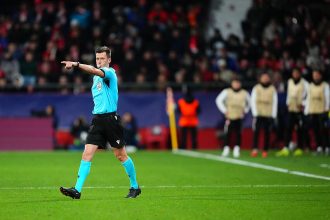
[106,124]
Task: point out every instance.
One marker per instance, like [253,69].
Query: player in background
[296,95]
[317,108]
[234,103]
[106,124]
[264,110]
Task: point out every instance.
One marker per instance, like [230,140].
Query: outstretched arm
[86,68]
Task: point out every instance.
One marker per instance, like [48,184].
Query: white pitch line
[247,163]
[173,186]
[327,166]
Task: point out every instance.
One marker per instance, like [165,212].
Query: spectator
[48,112]
[150,66]
[224,75]
[79,129]
[278,82]
[130,129]
[161,82]
[157,14]
[270,30]
[3,81]
[29,69]
[129,66]
[10,67]
[64,85]
[49,69]
[180,75]
[172,64]
[80,17]
[216,41]
[203,70]
[286,64]
[178,42]
[78,86]
[42,83]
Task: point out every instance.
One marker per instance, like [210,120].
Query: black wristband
[77,64]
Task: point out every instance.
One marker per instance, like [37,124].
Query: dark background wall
[148,108]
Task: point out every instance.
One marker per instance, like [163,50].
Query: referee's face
[102,60]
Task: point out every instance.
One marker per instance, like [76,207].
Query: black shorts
[106,128]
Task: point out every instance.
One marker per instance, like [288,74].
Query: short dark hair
[103,49]
[296,69]
[266,72]
[236,78]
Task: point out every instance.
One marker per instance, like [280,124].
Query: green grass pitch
[173,187]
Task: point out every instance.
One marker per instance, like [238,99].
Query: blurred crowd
[156,42]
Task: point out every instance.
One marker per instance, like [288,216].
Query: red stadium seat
[63,138]
[155,137]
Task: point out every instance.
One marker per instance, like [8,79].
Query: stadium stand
[156,41]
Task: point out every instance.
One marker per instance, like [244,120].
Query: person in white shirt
[317,108]
[296,97]
[234,103]
[264,110]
